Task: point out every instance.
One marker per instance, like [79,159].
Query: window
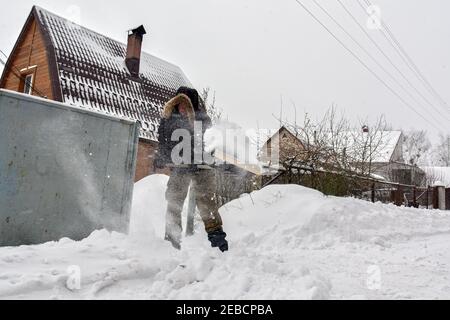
[28,84]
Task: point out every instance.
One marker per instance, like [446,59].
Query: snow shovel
[190,211]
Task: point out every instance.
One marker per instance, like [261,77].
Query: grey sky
[253,51]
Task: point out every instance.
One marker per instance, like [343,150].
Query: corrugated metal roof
[93,74]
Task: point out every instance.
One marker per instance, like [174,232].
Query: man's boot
[217,239]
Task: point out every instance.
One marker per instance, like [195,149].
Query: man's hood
[172,103]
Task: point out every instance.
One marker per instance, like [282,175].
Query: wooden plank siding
[29,56]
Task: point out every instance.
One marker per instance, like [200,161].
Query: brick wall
[144,165]
[145,156]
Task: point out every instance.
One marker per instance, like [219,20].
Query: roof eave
[51,58]
[18,41]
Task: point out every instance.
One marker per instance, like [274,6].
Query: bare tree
[442,151]
[332,154]
[368,143]
[332,142]
[209,101]
[416,145]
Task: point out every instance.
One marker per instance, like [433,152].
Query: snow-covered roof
[93,75]
[441,174]
[384,143]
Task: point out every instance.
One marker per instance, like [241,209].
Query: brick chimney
[134,46]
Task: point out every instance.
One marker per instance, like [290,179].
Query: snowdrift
[274,234]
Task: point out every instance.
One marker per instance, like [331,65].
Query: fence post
[447,199]
[415,197]
[428,196]
[373,192]
[439,196]
[398,200]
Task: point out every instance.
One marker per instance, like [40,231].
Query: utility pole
[365,130]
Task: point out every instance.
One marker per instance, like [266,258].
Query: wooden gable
[31,60]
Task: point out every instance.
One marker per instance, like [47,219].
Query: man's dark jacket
[172,120]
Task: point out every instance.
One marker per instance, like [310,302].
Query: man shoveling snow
[180,115]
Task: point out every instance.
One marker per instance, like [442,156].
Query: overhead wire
[365,65]
[388,58]
[371,56]
[405,56]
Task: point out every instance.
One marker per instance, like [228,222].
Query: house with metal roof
[386,157]
[63,61]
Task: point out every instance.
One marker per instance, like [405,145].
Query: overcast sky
[253,52]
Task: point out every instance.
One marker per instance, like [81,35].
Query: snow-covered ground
[286,242]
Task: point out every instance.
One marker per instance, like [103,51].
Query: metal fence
[398,194]
[64,171]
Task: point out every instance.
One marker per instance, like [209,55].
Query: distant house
[386,158]
[284,141]
[62,61]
